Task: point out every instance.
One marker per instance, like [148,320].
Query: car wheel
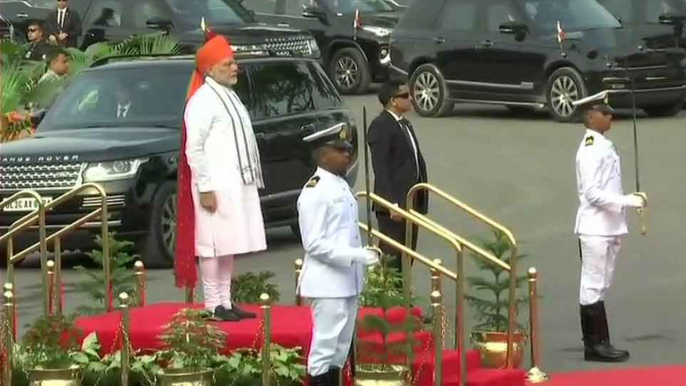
[565,86]
[349,71]
[161,241]
[429,92]
[668,110]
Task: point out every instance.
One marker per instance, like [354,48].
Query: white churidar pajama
[218,126]
[599,254]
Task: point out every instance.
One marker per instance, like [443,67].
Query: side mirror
[314,13]
[673,19]
[159,23]
[513,28]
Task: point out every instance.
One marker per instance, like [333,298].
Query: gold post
[9,288]
[435,277]
[106,260]
[51,286]
[405,260]
[534,375]
[141,283]
[42,232]
[298,271]
[125,352]
[57,295]
[267,344]
[9,337]
[437,311]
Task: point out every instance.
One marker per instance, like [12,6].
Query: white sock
[209,272]
[226,270]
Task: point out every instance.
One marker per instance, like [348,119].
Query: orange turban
[216,50]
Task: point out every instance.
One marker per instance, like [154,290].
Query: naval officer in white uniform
[333,270]
[600,224]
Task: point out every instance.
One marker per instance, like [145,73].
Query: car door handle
[22,15]
[486,43]
[439,40]
[307,127]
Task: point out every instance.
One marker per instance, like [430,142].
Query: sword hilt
[643,213]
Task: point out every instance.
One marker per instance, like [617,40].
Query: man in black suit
[63,26]
[398,164]
[37,47]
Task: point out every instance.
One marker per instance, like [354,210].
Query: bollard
[437,310]
[436,277]
[51,286]
[125,352]
[141,283]
[12,319]
[9,336]
[267,344]
[57,294]
[534,375]
[298,271]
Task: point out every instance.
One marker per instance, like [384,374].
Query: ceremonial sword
[641,211]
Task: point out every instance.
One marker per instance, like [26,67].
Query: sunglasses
[403,95]
[33,29]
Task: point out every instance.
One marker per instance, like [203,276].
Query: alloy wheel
[168,224]
[346,73]
[563,92]
[426,91]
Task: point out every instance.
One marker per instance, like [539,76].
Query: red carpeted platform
[292,327]
[646,376]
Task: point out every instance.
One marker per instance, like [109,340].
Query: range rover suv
[355,53]
[87,137]
[509,52]
[116,20]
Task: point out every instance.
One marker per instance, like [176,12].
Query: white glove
[369,258]
[634,201]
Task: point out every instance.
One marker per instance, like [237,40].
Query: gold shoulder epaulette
[589,141]
[312,182]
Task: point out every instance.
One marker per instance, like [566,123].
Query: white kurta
[237,226]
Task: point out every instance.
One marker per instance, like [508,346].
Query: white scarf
[247,151]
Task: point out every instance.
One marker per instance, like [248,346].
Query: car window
[285,88]
[499,12]
[348,7]
[146,10]
[214,11]
[105,13]
[325,94]
[620,8]
[242,88]
[144,96]
[457,15]
[573,15]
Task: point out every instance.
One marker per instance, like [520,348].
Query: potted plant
[190,344]
[244,367]
[50,352]
[490,335]
[248,287]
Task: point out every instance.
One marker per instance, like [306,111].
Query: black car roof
[155,60]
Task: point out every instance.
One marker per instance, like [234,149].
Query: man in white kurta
[226,174]
[332,275]
[600,223]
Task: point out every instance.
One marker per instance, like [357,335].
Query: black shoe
[224,315]
[242,314]
[596,344]
[320,380]
[605,332]
[335,376]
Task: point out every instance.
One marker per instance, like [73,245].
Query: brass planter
[55,377]
[381,375]
[493,348]
[184,377]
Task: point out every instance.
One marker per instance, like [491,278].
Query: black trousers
[396,231]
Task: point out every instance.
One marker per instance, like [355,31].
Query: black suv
[116,20]
[134,158]
[509,52]
[354,53]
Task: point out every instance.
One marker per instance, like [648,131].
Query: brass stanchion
[9,336]
[534,375]
[141,283]
[435,277]
[57,284]
[125,352]
[51,286]
[298,271]
[9,287]
[437,312]
[267,344]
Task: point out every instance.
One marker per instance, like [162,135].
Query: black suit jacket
[72,26]
[395,169]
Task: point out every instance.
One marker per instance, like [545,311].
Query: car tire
[429,92]
[159,245]
[565,85]
[668,110]
[349,71]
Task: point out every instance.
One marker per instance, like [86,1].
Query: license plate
[25,204]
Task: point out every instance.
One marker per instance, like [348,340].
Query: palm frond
[14,84]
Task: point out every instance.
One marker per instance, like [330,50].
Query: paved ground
[520,170]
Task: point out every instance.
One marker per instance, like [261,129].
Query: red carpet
[648,376]
[291,327]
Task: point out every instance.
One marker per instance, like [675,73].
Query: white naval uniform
[331,278]
[601,217]
[236,227]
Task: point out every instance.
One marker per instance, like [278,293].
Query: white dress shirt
[599,184]
[61,13]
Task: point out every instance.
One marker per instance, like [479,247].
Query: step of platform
[476,375]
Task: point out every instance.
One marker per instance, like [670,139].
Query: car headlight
[378,31]
[109,171]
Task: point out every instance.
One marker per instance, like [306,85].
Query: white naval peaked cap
[336,136]
[597,102]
